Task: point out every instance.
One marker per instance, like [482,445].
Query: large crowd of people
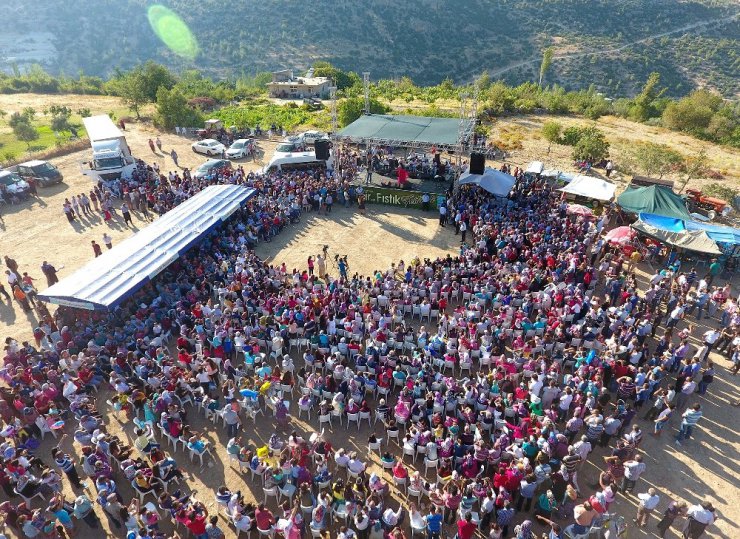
[496,374]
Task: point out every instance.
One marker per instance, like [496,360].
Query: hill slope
[604,42]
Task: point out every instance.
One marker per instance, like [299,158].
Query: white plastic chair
[271,492]
[374,447]
[355,418]
[430,464]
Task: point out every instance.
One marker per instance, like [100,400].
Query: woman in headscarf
[524,530]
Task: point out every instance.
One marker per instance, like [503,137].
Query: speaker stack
[322,149]
[477,163]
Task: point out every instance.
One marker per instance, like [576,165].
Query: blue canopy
[720,234]
[109,279]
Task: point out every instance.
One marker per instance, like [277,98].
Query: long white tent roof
[107,280]
[589,187]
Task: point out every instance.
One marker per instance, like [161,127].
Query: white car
[310,137]
[240,148]
[208,146]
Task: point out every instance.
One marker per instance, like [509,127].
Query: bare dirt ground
[36,231]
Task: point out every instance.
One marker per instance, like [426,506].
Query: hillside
[613,45]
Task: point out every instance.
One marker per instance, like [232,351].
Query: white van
[295,160]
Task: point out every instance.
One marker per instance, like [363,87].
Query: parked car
[310,137]
[240,148]
[287,146]
[208,146]
[42,172]
[12,185]
[211,166]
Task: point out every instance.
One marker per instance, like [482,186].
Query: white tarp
[535,167]
[494,181]
[589,187]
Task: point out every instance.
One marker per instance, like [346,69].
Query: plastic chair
[271,492]
[28,499]
[430,464]
[374,447]
[355,418]
[400,482]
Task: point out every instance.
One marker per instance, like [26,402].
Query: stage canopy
[720,234]
[589,187]
[494,181]
[655,200]
[412,131]
[695,240]
[107,280]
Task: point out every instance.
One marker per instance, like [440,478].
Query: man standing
[434,523]
[96,248]
[126,215]
[50,272]
[690,418]
[714,269]
[425,202]
[442,214]
[173,155]
[710,339]
[463,230]
[648,501]
[107,240]
[231,418]
[633,469]
[699,517]
[66,464]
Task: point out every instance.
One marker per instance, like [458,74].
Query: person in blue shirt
[434,523]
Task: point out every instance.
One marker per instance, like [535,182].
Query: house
[285,85]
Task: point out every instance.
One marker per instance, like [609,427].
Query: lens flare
[172,30]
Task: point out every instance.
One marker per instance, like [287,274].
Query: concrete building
[285,85]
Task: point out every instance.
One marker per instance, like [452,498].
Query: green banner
[399,197]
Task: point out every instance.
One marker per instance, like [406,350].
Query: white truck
[111,159]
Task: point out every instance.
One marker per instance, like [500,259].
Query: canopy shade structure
[109,279]
[494,181]
[696,240]
[589,187]
[410,131]
[535,167]
[720,234]
[654,199]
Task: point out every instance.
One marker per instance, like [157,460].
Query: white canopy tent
[535,167]
[589,187]
[494,181]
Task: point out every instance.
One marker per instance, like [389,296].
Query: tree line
[184,99]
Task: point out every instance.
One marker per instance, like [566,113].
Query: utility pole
[366,84]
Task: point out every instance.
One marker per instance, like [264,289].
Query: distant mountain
[612,44]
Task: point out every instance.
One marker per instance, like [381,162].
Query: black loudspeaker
[477,163]
[322,149]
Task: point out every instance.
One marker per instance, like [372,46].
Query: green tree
[571,135]
[644,105]
[60,115]
[551,130]
[547,56]
[155,77]
[173,110]
[26,132]
[133,91]
[352,108]
[655,159]
[693,113]
[592,146]
[694,166]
